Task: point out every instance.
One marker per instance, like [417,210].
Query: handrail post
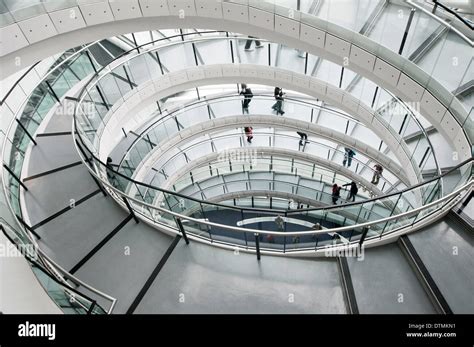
[15,177]
[26,131]
[90,60]
[22,221]
[365,230]
[181,229]
[93,303]
[257,245]
[52,91]
[130,209]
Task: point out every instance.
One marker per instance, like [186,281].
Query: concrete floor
[385,283]
[15,275]
[201,279]
[446,249]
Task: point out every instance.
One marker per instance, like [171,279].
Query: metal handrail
[205,99]
[17,82]
[44,78]
[454,13]
[43,256]
[282,136]
[95,158]
[97,76]
[296,233]
[440,20]
[322,192]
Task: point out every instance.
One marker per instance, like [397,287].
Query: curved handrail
[228,135]
[449,196]
[67,286]
[440,20]
[267,6]
[17,82]
[228,96]
[97,77]
[220,165]
[112,170]
[169,113]
[343,201]
[454,13]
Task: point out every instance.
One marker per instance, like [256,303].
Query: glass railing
[299,192]
[349,21]
[63,293]
[362,221]
[24,106]
[175,159]
[202,227]
[235,162]
[27,117]
[176,209]
[114,85]
[445,8]
[212,107]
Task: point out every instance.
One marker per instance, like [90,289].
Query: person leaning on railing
[377,174]
[336,193]
[352,191]
[278,93]
[348,155]
[248,95]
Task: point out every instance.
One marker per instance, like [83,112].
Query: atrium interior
[236,156]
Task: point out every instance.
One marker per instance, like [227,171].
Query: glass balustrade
[372,25]
[119,81]
[68,299]
[198,208]
[184,206]
[168,124]
[175,160]
[227,224]
[198,218]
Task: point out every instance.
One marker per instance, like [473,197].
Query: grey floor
[385,283]
[49,194]
[60,122]
[201,279]
[71,236]
[446,249]
[123,265]
[41,159]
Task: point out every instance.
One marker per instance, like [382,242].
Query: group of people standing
[336,192]
[353,189]
[247,93]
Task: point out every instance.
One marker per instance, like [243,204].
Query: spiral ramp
[185,217]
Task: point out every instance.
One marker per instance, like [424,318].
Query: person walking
[249,134]
[248,44]
[280,222]
[353,190]
[348,155]
[378,169]
[317,226]
[303,138]
[336,193]
[248,95]
[278,94]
